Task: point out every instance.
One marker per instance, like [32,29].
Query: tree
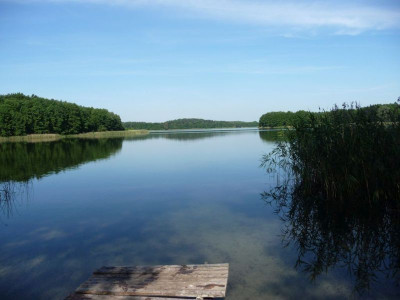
[20,115]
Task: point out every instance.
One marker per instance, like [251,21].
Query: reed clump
[338,192]
[31,138]
[347,154]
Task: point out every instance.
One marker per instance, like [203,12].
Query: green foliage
[189,124]
[21,115]
[339,191]
[280,118]
[351,152]
[143,125]
[288,119]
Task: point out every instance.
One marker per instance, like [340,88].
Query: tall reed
[339,192]
[347,154]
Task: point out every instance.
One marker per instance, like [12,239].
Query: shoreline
[202,129]
[51,137]
[277,127]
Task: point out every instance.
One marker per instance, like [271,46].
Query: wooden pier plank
[136,269]
[190,281]
[112,297]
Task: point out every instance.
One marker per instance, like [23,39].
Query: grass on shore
[35,138]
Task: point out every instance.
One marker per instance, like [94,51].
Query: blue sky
[156,60]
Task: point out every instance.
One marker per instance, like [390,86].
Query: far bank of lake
[36,138]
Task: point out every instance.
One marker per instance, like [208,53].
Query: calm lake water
[177,198]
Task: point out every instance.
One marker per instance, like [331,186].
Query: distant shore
[34,138]
[177,130]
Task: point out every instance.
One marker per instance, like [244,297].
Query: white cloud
[307,15]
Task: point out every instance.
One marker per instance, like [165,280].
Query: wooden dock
[172,282]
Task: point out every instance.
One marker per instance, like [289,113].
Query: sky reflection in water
[164,199]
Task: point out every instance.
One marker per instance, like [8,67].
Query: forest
[284,119]
[21,115]
[188,124]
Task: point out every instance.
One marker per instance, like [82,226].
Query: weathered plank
[136,269]
[190,281]
[111,297]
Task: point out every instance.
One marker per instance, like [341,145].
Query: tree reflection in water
[23,162]
[364,240]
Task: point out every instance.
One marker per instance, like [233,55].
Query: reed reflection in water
[13,194]
[364,241]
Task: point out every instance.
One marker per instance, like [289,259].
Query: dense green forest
[22,115]
[283,119]
[188,124]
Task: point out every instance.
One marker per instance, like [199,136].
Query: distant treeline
[283,119]
[188,124]
[22,115]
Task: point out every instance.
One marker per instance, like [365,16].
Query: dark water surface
[72,206]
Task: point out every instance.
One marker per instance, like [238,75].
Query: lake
[72,206]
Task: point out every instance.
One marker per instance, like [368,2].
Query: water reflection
[23,161]
[364,241]
[189,135]
[159,201]
[11,194]
[269,136]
